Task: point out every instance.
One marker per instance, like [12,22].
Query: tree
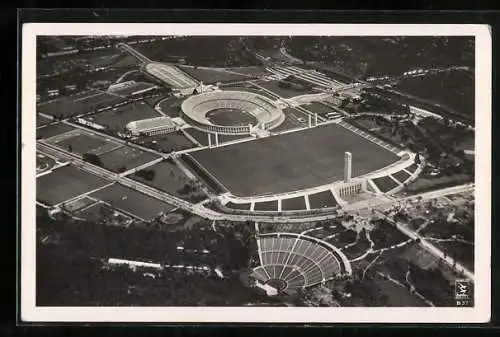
[92,158]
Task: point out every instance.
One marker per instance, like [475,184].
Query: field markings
[89,96]
[84,194]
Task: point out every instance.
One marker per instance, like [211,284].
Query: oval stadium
[231,112]
[290,261]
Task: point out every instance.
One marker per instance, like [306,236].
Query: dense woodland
[71,264]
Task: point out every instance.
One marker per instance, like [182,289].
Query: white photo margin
[478,314]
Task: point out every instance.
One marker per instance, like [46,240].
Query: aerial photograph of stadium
[283,171]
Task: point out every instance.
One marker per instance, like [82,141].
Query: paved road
[430,247]
[386,201]
[134,53]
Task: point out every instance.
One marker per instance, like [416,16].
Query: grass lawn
[127,156]
[82,142]
[52,130]
[117,118]
[65,183]
[77,104]
[210,76]
[283,92]
[168,178]
[292,161]
[131,201]
[291,204]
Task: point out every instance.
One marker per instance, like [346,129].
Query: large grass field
[131,201]
[292,161]
[252,89]
[65,183]
[117,118]
[174,141]
[231,117]
[210,76]
[52,130]
[77,104]
[283,92]
[168,178]
[82,142]
[125,156]
[318,108]
[250,70]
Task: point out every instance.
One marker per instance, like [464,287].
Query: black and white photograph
[256,173]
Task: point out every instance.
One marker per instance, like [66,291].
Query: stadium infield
[292,161]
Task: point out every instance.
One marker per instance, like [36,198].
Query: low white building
[152,126]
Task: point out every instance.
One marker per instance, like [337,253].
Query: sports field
[230,117]
[117,118]
[80,103]
[210,76]
[65,183]
[250,70]
[318,108]
[252,89]
[174,141]
[283,92]
[52,130]
[82,142]
[168,177]
[131,201]
[292,161]
[125,156]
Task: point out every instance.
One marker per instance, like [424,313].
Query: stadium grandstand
[196,108]
[172,76]
[152,126]
[290,261]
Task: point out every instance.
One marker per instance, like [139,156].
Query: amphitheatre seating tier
[298,261]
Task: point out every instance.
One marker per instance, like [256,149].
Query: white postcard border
[481,311]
